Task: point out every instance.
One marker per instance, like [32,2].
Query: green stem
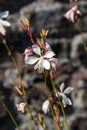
[54,119]
[79,27]
[65,119]
[20,79]
[10,114]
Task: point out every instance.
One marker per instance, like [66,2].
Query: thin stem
[65,119]
[20,79]
[79,27]
[10,114]
[54,119]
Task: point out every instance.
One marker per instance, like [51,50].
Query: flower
[46,106]
[65,99]
[72,14]
[41,60]
[21,107]
[4,22]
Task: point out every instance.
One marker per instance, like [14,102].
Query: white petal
[72,18]
[66,100]
[36,49]
[46,64]
[5,23]
[78,12]
[49,54]
[62,87]
[45,106]
[68,90]
[5,14]
[31,60]
[2,30]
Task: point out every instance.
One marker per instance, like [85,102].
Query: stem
[10,114]
[79,27]
[20,79]
[54,89]
[50,102]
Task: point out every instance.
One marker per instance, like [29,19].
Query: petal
[67,14]
[5,23]
[31,60]
[36,49]
[78,12]
[66,100]
[4,14]
[72,17]
[46,106]
[2,30]
[46,64]
[61,87]
[68,90]
[49,54]
[48,47]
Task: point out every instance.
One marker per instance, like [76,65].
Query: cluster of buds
[74,13]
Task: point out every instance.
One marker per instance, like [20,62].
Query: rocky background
[66,41]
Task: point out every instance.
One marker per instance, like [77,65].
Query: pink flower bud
[72,14]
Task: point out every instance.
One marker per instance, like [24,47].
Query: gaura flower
[4,22]
[46,106]
[40,60]
[72,14]
[63,93]
[21,107]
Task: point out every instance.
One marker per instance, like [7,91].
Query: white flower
[46,106]
[42,61]
[63,93]
[4,22]
[72,14]
[21,107]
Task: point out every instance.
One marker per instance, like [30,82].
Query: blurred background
[65,40]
